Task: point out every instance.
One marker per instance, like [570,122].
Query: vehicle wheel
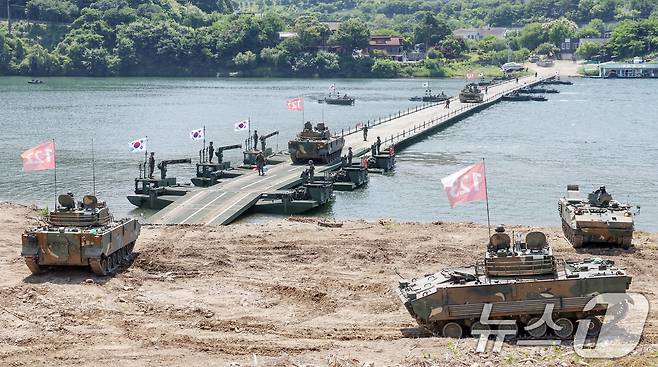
[594,326]
[577,241]
[452,330]
[479,328]
[566,328]
[538,331]
[513,327]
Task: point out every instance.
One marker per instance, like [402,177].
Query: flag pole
[55,170]
[93,166]
[204,142]
[302,100]
[486,191]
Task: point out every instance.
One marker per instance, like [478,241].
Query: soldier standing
[447,103]
[151,164]
[255,139]
[260,164]
[262,144]
[350,155]
[211,152]
[365,132]
[373,149]
[311,170]
[378,144]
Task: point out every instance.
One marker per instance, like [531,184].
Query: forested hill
[205,37]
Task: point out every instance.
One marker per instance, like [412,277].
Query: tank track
[574,239]
[33,264]
[107,265]
[465,328]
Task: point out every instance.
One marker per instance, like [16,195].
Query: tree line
[206,37]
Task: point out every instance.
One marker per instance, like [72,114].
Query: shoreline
[285,292]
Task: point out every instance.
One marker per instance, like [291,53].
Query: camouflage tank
[80,234]
[471,94]
[315,144]
[599,219]
[518,280]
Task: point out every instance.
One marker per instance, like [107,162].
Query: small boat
[557,82]
[345,100]
[516,97]
[538,98]
[431,98]
[538,90]
[35,81]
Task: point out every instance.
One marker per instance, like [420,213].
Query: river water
[595,132]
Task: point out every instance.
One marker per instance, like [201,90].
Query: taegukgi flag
[39,158]
[138,145]
[242,125]
[296,104]
[467,184]
[196,134]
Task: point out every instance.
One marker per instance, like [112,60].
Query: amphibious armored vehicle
[471,94]
[80,234]
[316,144]
[429,97]
[518,280]
[599,219]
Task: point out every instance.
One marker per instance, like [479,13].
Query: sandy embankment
[563,68]
[281,294]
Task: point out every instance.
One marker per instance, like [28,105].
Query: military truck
[518,280]
[599,219]
[471,94]
[80,234]
[316,144]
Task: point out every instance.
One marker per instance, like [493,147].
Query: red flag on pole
[465,185]
[296,104]
[41,157]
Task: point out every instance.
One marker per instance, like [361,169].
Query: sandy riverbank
[280,294]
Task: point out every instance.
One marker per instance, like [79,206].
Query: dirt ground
[563,68]
[286,293]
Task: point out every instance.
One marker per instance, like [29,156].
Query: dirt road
[281,294]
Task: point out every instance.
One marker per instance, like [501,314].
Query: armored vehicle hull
[81,237]
[519,283]
[471,94]
[317,145]
[599,219]
[341,101]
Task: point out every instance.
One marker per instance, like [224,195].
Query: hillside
[208,38]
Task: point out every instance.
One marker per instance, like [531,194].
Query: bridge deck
[223,203]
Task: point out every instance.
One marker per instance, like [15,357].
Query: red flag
[470,75]
[296,104]
[391,150]
[39,158]
[467,184]
[364,162]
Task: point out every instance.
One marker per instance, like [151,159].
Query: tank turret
[519,279]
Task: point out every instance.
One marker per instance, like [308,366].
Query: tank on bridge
[518,280]
[471,94]
[316,144]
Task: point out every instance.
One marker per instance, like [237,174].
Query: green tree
[588,49]
[385,68]
[431,30]
[560,29]
[244,60]
[351,35]
[51,10]
[547,49]
[327,63]
[533,35]
[452,47]
[274,56]
[310,31]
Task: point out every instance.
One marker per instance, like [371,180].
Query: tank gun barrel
[228,147]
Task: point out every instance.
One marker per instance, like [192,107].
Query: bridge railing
[396,138]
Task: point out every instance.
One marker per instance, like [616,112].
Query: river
[595,132]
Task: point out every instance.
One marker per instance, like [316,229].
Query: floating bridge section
[223,203]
